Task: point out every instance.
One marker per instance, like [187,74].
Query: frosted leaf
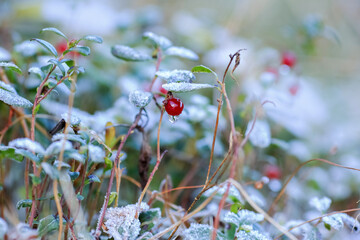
[50,170]
[62,164]
[313,234]
[233,193]
[139,98]
[3,228]
[198,231]
[182,52]
[243,217]
[121,222]
[27,144]
[185,87]
[260,136]
[27,48]
[96,154]
[176,76]
[11,66]
[157,41]
[251,235]
[74,120]
[23,231]
[146,236]
[321,204]
[37,71]
[9,96]
[4,55]
[129,54]
[75,155]
[55,147]
[350,222]
[298,230]
[335,221]
[69,136]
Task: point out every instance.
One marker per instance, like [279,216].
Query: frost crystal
[251,235]
[243,217]
[182,52]
[185,87]
[260,135]
[27,144]
[139,98]
[321,205]
[9,96]
[176,76]
[121,222]
[157,40]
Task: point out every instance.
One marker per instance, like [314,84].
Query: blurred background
[316,112]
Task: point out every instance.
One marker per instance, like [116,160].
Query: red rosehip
[272,172]
[174,106]
[289,59]
[62,46]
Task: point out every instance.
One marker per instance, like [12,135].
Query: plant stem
[116,163]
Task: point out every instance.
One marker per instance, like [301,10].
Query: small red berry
[272,172]
[174,106]
[289,59]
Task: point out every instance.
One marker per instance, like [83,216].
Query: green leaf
[48,224]
[47,45]
[11,66]
[37,71]
[54,30]
[129,54]
[91,179]
[35,179]
[50,170]
[157,41]
[69,62]
[181,52]
[58,64]
[79,196]
[147,219]
[185,87]
[24,203]
[92,38]
[112,197]
[203,69]
[85,51]
[108,163]
[73,175]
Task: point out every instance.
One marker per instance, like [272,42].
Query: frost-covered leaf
[313,234]
[351,223]
[92,38]
[11,66]
[50,170]
[62,164]
[185,87]
[335,221]
[321,204]
[233,194]
[56,147]
[47,45]
[24,203]
[58,64]
[121,222]
[203,69]
[148,219]
[4,55]
[157,41]
[198,231]
[181,52]
[85,51]
[96,154]
[139,98]
[27,144]
[27,154]
[176,76]
[54,30]
[74,120]
[23,231]
[91,179]
[74,155]
[9,96]
[47,225]
[243,217]
[251,235]
[70,137]
[129,54]
[260,136]
[17,154]
[3,228]
[37,71]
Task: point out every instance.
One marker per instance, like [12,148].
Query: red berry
[61,47]
[289,59]
[272,172]
[174,106]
